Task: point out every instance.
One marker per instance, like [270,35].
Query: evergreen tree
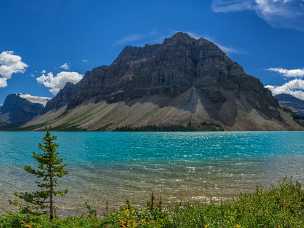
[50,168]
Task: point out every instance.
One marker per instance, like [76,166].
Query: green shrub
[279,206]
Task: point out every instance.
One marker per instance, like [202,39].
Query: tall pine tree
[50,168]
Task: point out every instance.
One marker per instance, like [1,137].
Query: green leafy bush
[279,206]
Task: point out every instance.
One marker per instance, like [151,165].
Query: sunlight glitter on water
[178,166]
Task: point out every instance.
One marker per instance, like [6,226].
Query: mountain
[3,123]
[295,104]
[181,84]
[19,109]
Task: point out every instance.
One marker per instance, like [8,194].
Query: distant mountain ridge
[183,83]
[295,104]
[19,109]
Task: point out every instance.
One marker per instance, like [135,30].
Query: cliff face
[183,82]
[17,110]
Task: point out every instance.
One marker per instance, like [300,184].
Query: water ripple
[118,166]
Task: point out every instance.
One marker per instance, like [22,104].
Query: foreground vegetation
[279,206]
[49,170]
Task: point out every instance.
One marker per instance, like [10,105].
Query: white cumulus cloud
[65,66]
[3,82]
[277,13]
[294,87]
[10,64]
[57,82]
[289,73]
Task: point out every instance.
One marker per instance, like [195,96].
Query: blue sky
[44,44]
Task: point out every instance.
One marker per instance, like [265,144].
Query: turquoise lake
[116,166]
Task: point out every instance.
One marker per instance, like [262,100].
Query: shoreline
[279,205]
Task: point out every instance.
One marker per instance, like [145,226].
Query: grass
[279,206]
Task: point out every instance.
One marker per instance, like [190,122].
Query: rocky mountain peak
[184,73]
[18,108]
[168,69]
[180,38]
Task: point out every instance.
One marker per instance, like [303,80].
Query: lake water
[117,166]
